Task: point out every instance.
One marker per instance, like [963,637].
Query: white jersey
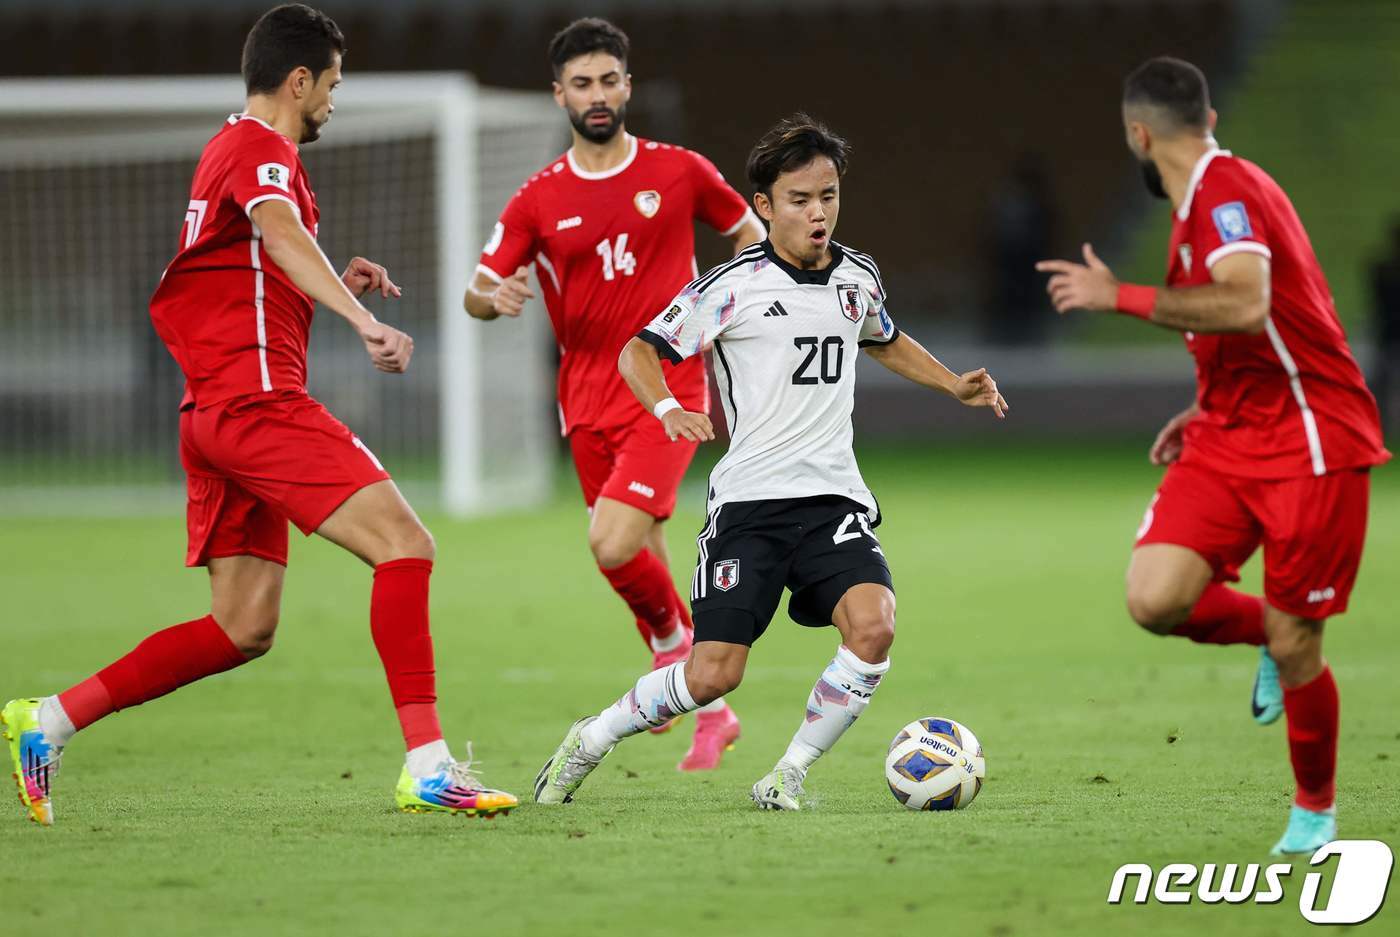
[785,342]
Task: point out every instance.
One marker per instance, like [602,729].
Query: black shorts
[750,550]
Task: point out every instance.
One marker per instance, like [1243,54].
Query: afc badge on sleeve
[852,299]
[1232,222]
[275,174]
[726,575]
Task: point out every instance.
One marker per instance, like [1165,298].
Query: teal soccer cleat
[1308,831]
[1267,701]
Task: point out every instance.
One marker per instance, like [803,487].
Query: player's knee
[611,549]
[708,681]
[1297,650]
[252,632]
[871,631]
[413,540]
[1155,608]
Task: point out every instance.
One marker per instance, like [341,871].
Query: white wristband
[664,407]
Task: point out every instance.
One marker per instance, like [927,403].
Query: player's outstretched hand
[511,295]
[977,389]
[388,348]
[363,276]
[682,424]
[1090,285]
[1166,448]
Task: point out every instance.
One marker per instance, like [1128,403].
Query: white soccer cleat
[779,789]
[563,774]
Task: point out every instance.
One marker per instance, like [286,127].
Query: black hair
[583,36]
[286,38]
[1175,87]
[792,143]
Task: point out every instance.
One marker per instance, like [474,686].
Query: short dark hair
[286,38]
[1174,86]
[792,143]
[590,34]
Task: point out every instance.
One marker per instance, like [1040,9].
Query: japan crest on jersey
[852,301]
[726,575]
[648,202]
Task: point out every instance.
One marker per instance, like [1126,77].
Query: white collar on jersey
[606,173]
[1197,174]
[235,118]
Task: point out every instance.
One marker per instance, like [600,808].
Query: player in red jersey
[609,229]
[234,308]
[1278,447]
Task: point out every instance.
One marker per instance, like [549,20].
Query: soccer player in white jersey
[787,505]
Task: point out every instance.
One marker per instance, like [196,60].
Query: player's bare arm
[641,369]
[1238,300]
[293,249]
[912,361]
[750,232]
[487,299]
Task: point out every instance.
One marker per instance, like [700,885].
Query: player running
[609,227]
[234,307]
[1277,448]
[787,505]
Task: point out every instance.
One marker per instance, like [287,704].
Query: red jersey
[610,250]
[1290,401]
[234,322]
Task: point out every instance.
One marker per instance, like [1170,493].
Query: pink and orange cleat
[715,734]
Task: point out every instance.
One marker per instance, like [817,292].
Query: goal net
[94,179]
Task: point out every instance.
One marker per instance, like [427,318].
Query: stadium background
[985,133]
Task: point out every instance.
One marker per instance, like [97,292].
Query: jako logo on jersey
[851,300]
[565,223]
[646,491]
[1232,221]
[1358,885]
[275,174]
[648,202]
[1185,252]
[1321,595]
[726,575]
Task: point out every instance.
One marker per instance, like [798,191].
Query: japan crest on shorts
[648,202]
[726,575]
[852,301]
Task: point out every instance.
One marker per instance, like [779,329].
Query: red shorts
[1312,530]
[638,465]
[253,463]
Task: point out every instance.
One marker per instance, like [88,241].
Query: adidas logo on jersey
[566,223]
[775,310]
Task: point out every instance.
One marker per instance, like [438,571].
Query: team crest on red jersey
[852,302]
[726,575]
[648,202]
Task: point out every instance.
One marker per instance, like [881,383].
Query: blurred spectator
[1023,231]
[1385,283]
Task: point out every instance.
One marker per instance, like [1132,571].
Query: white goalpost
[411,172]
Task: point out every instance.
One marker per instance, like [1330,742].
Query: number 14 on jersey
[617,259]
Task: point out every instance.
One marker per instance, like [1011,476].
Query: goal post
[410,172]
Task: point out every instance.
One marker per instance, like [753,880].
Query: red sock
[1223,616]
[398,621]
[165,661]
[646,586]
[1312,712]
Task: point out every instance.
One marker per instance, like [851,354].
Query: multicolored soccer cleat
[564,773]
[1308,831]
[35,758]
[661,659]
[453,789]
[715,734]
[779,789]
[1266,703]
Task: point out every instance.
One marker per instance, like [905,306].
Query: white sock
[54,721]
[658,697]
[837,700]
[670,642]
[717,706]
[427,759]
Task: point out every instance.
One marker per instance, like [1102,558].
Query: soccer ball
[935,764]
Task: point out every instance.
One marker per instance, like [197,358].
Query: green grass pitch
[260,801]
